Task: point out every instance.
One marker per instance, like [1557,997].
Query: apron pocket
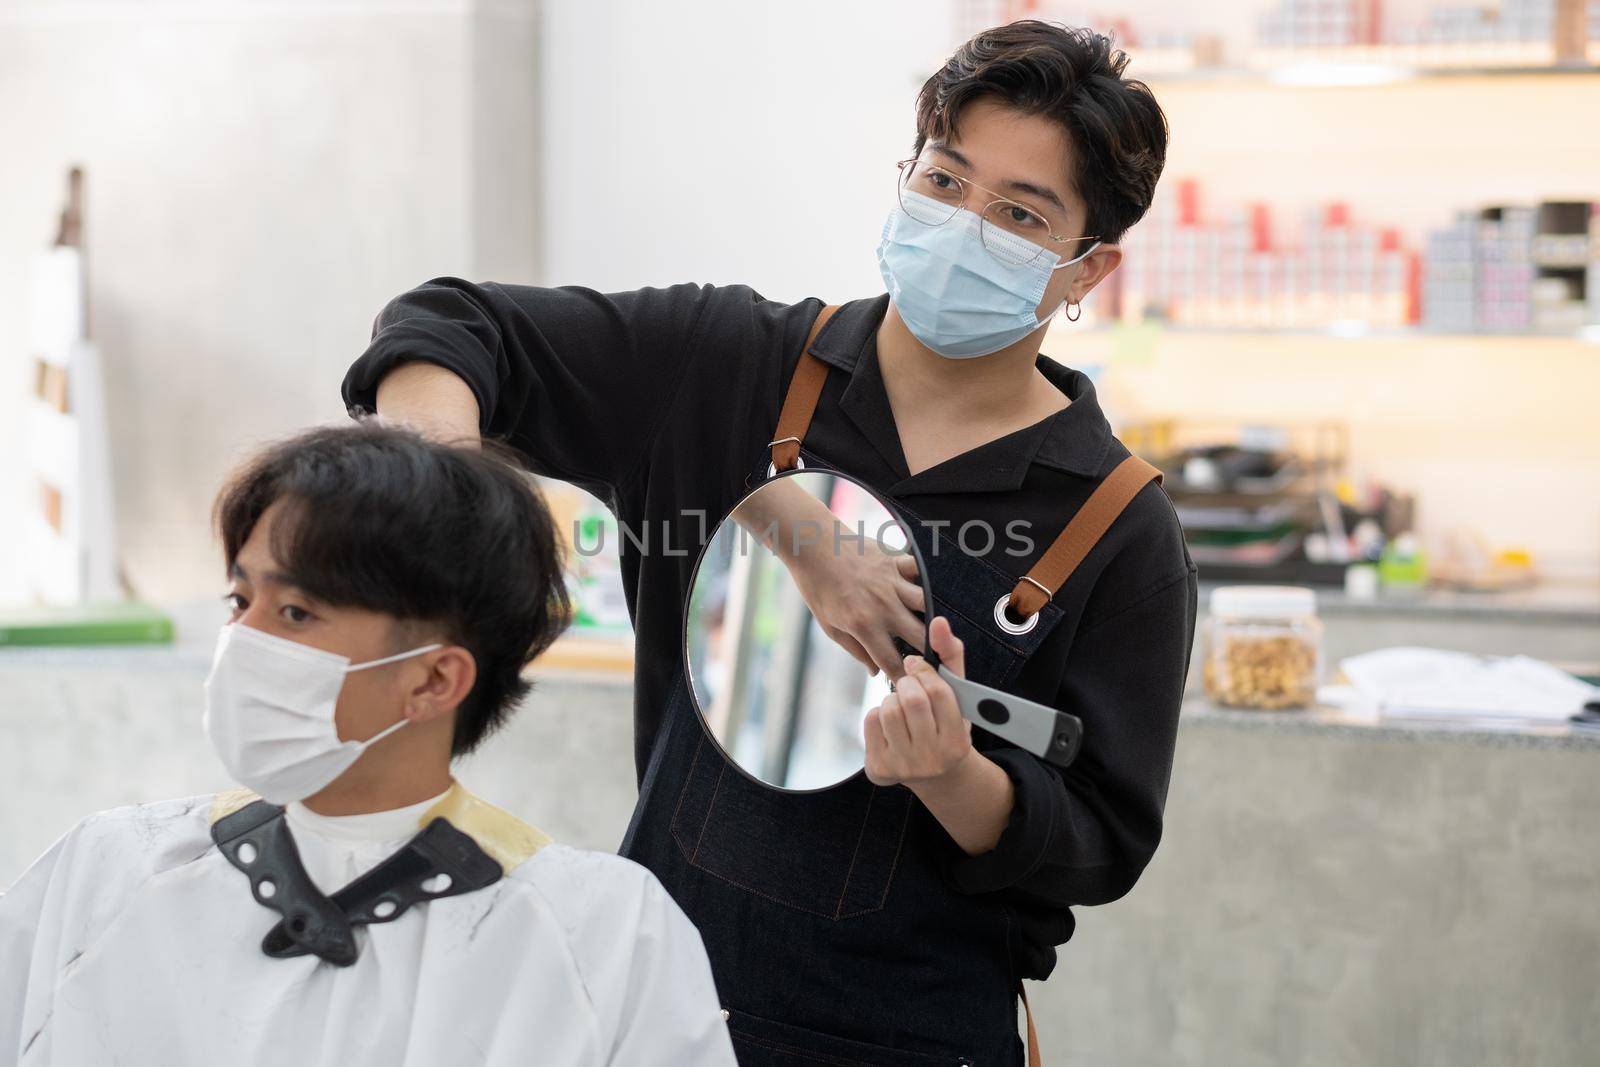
[763,1043]
[832,853]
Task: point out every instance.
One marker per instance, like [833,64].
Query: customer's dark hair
[1074,77]
[453,539]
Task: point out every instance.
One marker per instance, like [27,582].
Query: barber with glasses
[887,922]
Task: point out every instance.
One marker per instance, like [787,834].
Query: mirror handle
[1054,736]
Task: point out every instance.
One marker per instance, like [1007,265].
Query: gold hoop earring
[1070,316]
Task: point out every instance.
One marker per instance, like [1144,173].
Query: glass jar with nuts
[1263,647]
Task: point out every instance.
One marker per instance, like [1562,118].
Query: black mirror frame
[694,575]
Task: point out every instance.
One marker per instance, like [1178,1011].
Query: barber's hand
[863,599]
[918,735]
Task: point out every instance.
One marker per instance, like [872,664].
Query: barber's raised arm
[576,380]
[432,400]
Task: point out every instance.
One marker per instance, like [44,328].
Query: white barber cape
[133,940]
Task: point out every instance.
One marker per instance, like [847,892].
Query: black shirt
[660,402]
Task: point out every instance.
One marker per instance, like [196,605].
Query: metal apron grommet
[1006,624]
[799,460]
[799,465]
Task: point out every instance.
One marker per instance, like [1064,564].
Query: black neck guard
[441,857]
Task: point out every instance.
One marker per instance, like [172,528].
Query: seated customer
[359,906]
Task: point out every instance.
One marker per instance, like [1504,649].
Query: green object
[598,605]
[1401,569]
[1201,535]
[85,624]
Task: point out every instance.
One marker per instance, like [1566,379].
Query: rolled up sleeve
[1084,834]
[575,379]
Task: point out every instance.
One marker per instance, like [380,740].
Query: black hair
[450,538]
[1074,77]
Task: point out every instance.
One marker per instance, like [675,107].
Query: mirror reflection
[803,603]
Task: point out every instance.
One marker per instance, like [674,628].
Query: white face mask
[269,712]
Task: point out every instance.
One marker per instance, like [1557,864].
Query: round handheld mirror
[808,584]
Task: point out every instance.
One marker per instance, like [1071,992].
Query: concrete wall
[1325,899]
[82,732]
[727,141]
[262,175]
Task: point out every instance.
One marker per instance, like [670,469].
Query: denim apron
[832,935]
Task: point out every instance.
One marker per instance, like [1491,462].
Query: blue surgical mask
[952,293]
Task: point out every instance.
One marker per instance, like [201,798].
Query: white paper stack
[1433,683]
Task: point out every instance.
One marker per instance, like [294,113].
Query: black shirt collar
[1075,439]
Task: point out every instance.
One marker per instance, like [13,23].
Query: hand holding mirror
[801,607]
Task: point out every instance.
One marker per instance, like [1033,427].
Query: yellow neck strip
[505,838]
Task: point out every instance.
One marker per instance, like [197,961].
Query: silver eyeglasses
[932,195]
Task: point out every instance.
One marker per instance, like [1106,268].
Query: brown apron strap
[800,402]
[1034,590]
[1033,1035]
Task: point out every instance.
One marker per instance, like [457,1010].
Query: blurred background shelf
[1342,71]
[1491,433]
[577,650]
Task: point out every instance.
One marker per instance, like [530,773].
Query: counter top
[1327,719]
